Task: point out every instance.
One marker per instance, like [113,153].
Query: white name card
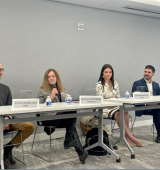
[90,99]
[25,103]
[141,96]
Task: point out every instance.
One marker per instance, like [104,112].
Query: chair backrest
[90,92]
[24,94]
[141,88]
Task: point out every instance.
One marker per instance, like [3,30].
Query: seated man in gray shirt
[27,127]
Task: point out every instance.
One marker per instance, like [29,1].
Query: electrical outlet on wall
[80,27]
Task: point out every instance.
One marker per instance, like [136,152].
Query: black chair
[142,89]
[39,124]
[8,132]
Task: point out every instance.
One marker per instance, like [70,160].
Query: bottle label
[69,101]
[48,103]
[127,96]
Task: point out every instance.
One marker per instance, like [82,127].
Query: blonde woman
[109,88]
[58,94]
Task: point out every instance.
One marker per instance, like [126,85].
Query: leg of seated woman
[126,117]
[69,137]
[79,149]
[127,132]
[72,132]
[69,124]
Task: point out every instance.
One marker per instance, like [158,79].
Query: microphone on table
[53,85]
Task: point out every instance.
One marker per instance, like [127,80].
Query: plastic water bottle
[127,95]
[66,98]
[48,102]
[69,99]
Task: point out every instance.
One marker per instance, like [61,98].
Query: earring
[102,76]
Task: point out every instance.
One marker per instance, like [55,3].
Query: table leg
[1,141]
[100,137]
[100,128]
[122,131]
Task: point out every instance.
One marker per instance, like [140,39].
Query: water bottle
[48,102]
[69,99]
[127,95]
[66,98]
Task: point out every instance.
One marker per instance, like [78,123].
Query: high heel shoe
[140,144]
[131,145]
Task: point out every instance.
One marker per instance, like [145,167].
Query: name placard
[90,99]
[141,96]
[25,103]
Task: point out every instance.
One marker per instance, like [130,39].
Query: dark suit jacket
[142,82]
[5,95]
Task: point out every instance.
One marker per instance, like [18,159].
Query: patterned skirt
[110,113]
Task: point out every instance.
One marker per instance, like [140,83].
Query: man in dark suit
[153,88]
[27,128]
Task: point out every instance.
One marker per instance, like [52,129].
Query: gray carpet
[147,157]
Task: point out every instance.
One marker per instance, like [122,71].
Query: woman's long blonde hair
[47,87]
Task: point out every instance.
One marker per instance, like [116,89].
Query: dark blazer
[142,82]
[5,97]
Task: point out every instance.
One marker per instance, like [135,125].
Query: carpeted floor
[147,157]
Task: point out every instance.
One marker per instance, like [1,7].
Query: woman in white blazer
[109,88]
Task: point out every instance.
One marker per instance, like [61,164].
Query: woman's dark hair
[101,75]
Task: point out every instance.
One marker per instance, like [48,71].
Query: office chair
[12,133]
[152,127]
[141,89]
[39,124]
[26,94]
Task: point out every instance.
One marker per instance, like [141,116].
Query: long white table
[56,107]
[124,102]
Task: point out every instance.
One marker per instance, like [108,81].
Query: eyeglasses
[1,69]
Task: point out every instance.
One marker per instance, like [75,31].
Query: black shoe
[83,157]
[157,140]
[6,164]
[12,161]
[8,155]
[70,143]
[47,130]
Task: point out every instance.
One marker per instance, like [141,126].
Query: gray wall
[38,34]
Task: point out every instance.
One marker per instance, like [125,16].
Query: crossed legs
[128,135]
[27,129]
